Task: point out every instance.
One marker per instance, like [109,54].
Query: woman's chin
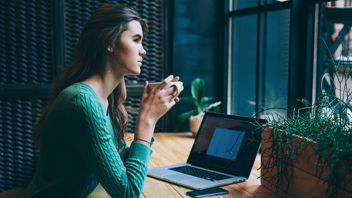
[135,73]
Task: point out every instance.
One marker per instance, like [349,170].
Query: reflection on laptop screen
[224,144]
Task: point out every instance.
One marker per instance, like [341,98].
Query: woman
[81,131]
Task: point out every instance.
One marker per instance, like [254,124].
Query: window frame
[302,47]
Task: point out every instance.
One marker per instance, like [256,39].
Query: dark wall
[196,48]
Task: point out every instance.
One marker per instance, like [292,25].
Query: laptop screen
[225,143]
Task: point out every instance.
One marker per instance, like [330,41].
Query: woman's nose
[142,52]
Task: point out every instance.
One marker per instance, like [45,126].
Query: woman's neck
[103,85]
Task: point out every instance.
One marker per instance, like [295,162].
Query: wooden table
[174,148]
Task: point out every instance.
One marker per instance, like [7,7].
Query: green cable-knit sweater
[79,151]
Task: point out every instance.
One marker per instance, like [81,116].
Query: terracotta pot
[306,178]
[194,123]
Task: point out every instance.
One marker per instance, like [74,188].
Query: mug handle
[178,88]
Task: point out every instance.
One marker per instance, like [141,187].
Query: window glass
[241,4]
[274,61]
[334,48]
[243,74]
[340,4]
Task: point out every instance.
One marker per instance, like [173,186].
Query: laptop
[223,153]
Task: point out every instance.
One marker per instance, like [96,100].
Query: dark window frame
[301,55]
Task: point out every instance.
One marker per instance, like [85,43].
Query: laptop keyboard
[208,175]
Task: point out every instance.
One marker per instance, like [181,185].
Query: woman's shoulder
[84,104]
[78,93]
[77,90]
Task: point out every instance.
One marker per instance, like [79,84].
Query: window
[258,48]
[333,31]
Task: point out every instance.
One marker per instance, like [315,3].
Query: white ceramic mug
[178,86]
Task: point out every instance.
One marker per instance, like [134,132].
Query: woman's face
[129,52]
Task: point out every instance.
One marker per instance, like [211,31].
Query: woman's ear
[110,49]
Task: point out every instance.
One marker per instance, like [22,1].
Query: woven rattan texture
[18,154]
[25,42]
[78,12]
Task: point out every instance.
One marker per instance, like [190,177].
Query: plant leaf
[183,117]
[216,109]
[212,105]
[206,99]
[197,89]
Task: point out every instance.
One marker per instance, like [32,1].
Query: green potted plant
[309,153]
[201,104]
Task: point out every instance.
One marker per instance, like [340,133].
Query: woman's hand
[159,101]
[154,105]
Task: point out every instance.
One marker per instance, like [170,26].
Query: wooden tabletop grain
[174,148]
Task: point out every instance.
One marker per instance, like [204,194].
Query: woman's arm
[120,178]
[127,150]
[154,105]
[95,144]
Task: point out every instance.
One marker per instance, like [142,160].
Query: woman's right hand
[159,101]
[155,104]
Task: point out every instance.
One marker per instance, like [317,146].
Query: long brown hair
[102,30]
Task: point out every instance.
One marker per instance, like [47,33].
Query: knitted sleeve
[95,145]
[127,150]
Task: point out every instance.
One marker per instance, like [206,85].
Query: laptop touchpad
[178,177]
[160,172]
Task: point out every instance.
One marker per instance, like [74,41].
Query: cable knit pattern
[79,150]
